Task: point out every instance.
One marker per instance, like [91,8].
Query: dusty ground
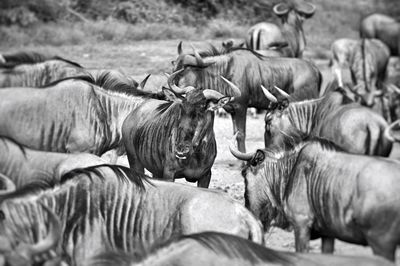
[141,58]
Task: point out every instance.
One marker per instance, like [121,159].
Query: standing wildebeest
[384,28]
[109,208]
[175,139]
[320,191]
[212,248]
[264,36]
[23,165]
[69,116]
[349,125]
[248,70]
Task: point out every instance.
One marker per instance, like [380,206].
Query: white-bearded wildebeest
[248,70]
[265,36]
[110,208]
[175,139]
[320,191]
[69,116]
[218,249]
[384,28]
[23,165]
[354,128]
[28,57]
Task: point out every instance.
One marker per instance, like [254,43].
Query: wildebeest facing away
[110,208]
[175,139]
[212,248]
[349,125]
[248,70]
[69,116]
[290,36]
[23,165]
[384,28]
[312,186]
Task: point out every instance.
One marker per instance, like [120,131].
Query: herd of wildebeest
[322,173]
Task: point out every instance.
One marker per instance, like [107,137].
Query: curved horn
[10,186]
[306,8]
[238,154]
[282,92]
[269,95]
[212,94]
[280,9]
[52,237]
[144,81]
[172,85]
[387,133]
[180,48]
[199,60]
[235,89]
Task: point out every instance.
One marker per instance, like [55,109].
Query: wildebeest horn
[388,129]
[306,8]
[212,94]
[269,95]
[235,89]
[180,48]
[52,237]
[392,87]
[144,81]
[199,60]
[280,9]
[9,185]
[238,154]
[2,59]
[172,85]
[282,92]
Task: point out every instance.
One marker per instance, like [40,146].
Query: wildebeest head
[23,253]
[294,12]
[196,114]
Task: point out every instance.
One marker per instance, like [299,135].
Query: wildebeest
[349,125]
[28,57]
[175,139]
[384,28]
[290,36]
[25,254]
[72,115]
[320,191]
[23,165]
[248,70]
[110,208]
[212,248]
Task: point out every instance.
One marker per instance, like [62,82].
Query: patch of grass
[221,28]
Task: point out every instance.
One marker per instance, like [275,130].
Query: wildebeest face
[277,123]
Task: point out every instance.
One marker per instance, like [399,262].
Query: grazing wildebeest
[248,70]
[349,125]
[23,165]
[290,36]
[69,116]
[28,57]
[384,28]
[25,254]
[175,139]
[212,248]
[110,208]
[320,191]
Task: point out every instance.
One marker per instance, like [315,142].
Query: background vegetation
[56,22]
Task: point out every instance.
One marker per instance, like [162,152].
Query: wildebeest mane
[87,78]
[19,58]
[4,139]
[123,174]
[31,188]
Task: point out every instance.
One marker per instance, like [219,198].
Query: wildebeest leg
[239,124]
[302,237]
[204,181]
[328,244]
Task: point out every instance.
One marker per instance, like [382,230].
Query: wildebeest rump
[248,70]
[266,36]
[212,248]
[175,139]
[110,208]
[322,192]
[349,125]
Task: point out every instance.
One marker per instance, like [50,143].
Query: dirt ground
[141,58]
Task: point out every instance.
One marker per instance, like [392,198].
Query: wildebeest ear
[221,103]
[170,95]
